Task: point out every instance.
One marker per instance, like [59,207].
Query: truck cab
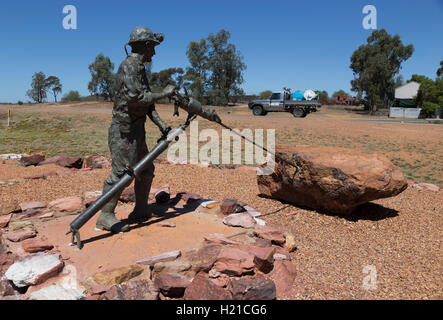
[277,100]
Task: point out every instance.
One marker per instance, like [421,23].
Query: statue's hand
[169,90]
[165,131]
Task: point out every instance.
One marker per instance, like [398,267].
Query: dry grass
[416,148]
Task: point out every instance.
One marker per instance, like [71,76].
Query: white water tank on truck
[309,95]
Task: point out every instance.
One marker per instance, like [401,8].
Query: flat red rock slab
[20,236]
[4,220]
[36,245]
[274,235]
[164,257]
[234,262]
[203,288]
[248,288]
[283,274]
[31,205]
[219,239]
[171,284]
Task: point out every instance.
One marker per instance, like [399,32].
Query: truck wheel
[298,113]
[257,111]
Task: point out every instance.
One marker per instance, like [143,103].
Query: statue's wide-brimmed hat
[145,34]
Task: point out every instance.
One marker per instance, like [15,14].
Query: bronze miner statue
[133,101]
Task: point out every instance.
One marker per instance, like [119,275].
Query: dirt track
[400,236]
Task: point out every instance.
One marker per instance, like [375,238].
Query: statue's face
[149,52]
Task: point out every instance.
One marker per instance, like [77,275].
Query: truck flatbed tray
[302,103]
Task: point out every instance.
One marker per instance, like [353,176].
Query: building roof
[408,91]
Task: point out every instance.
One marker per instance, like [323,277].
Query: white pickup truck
[281,101]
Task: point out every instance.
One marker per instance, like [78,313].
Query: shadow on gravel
[371,211]
[367,211]
[160,214]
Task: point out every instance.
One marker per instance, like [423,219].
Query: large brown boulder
[332,179]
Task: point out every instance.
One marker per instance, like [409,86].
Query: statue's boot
[107,220]
[142,187]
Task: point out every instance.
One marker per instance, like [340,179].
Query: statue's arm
[153,115]
[151,97]
[136,90]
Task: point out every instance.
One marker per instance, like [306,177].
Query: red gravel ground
[400,236]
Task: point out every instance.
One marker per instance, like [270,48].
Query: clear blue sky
[296,44]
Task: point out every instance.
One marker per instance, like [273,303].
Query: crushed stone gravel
[401,236]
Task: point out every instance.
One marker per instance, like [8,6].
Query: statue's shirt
[130,92]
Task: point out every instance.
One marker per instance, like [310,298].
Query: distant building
[403,105]
[408,91]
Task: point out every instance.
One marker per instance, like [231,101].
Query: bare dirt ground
[401,236]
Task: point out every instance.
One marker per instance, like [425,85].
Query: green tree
[323,96]
[53,83]
[72,95]
[102,81]
[216,70]
[431,91]
[173,76]
[197,73]
[265,94]
[226,68]
[429,109]
[430,94]
[339,93]
[39,87]
[375,65]
[236,94]
[418,78]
